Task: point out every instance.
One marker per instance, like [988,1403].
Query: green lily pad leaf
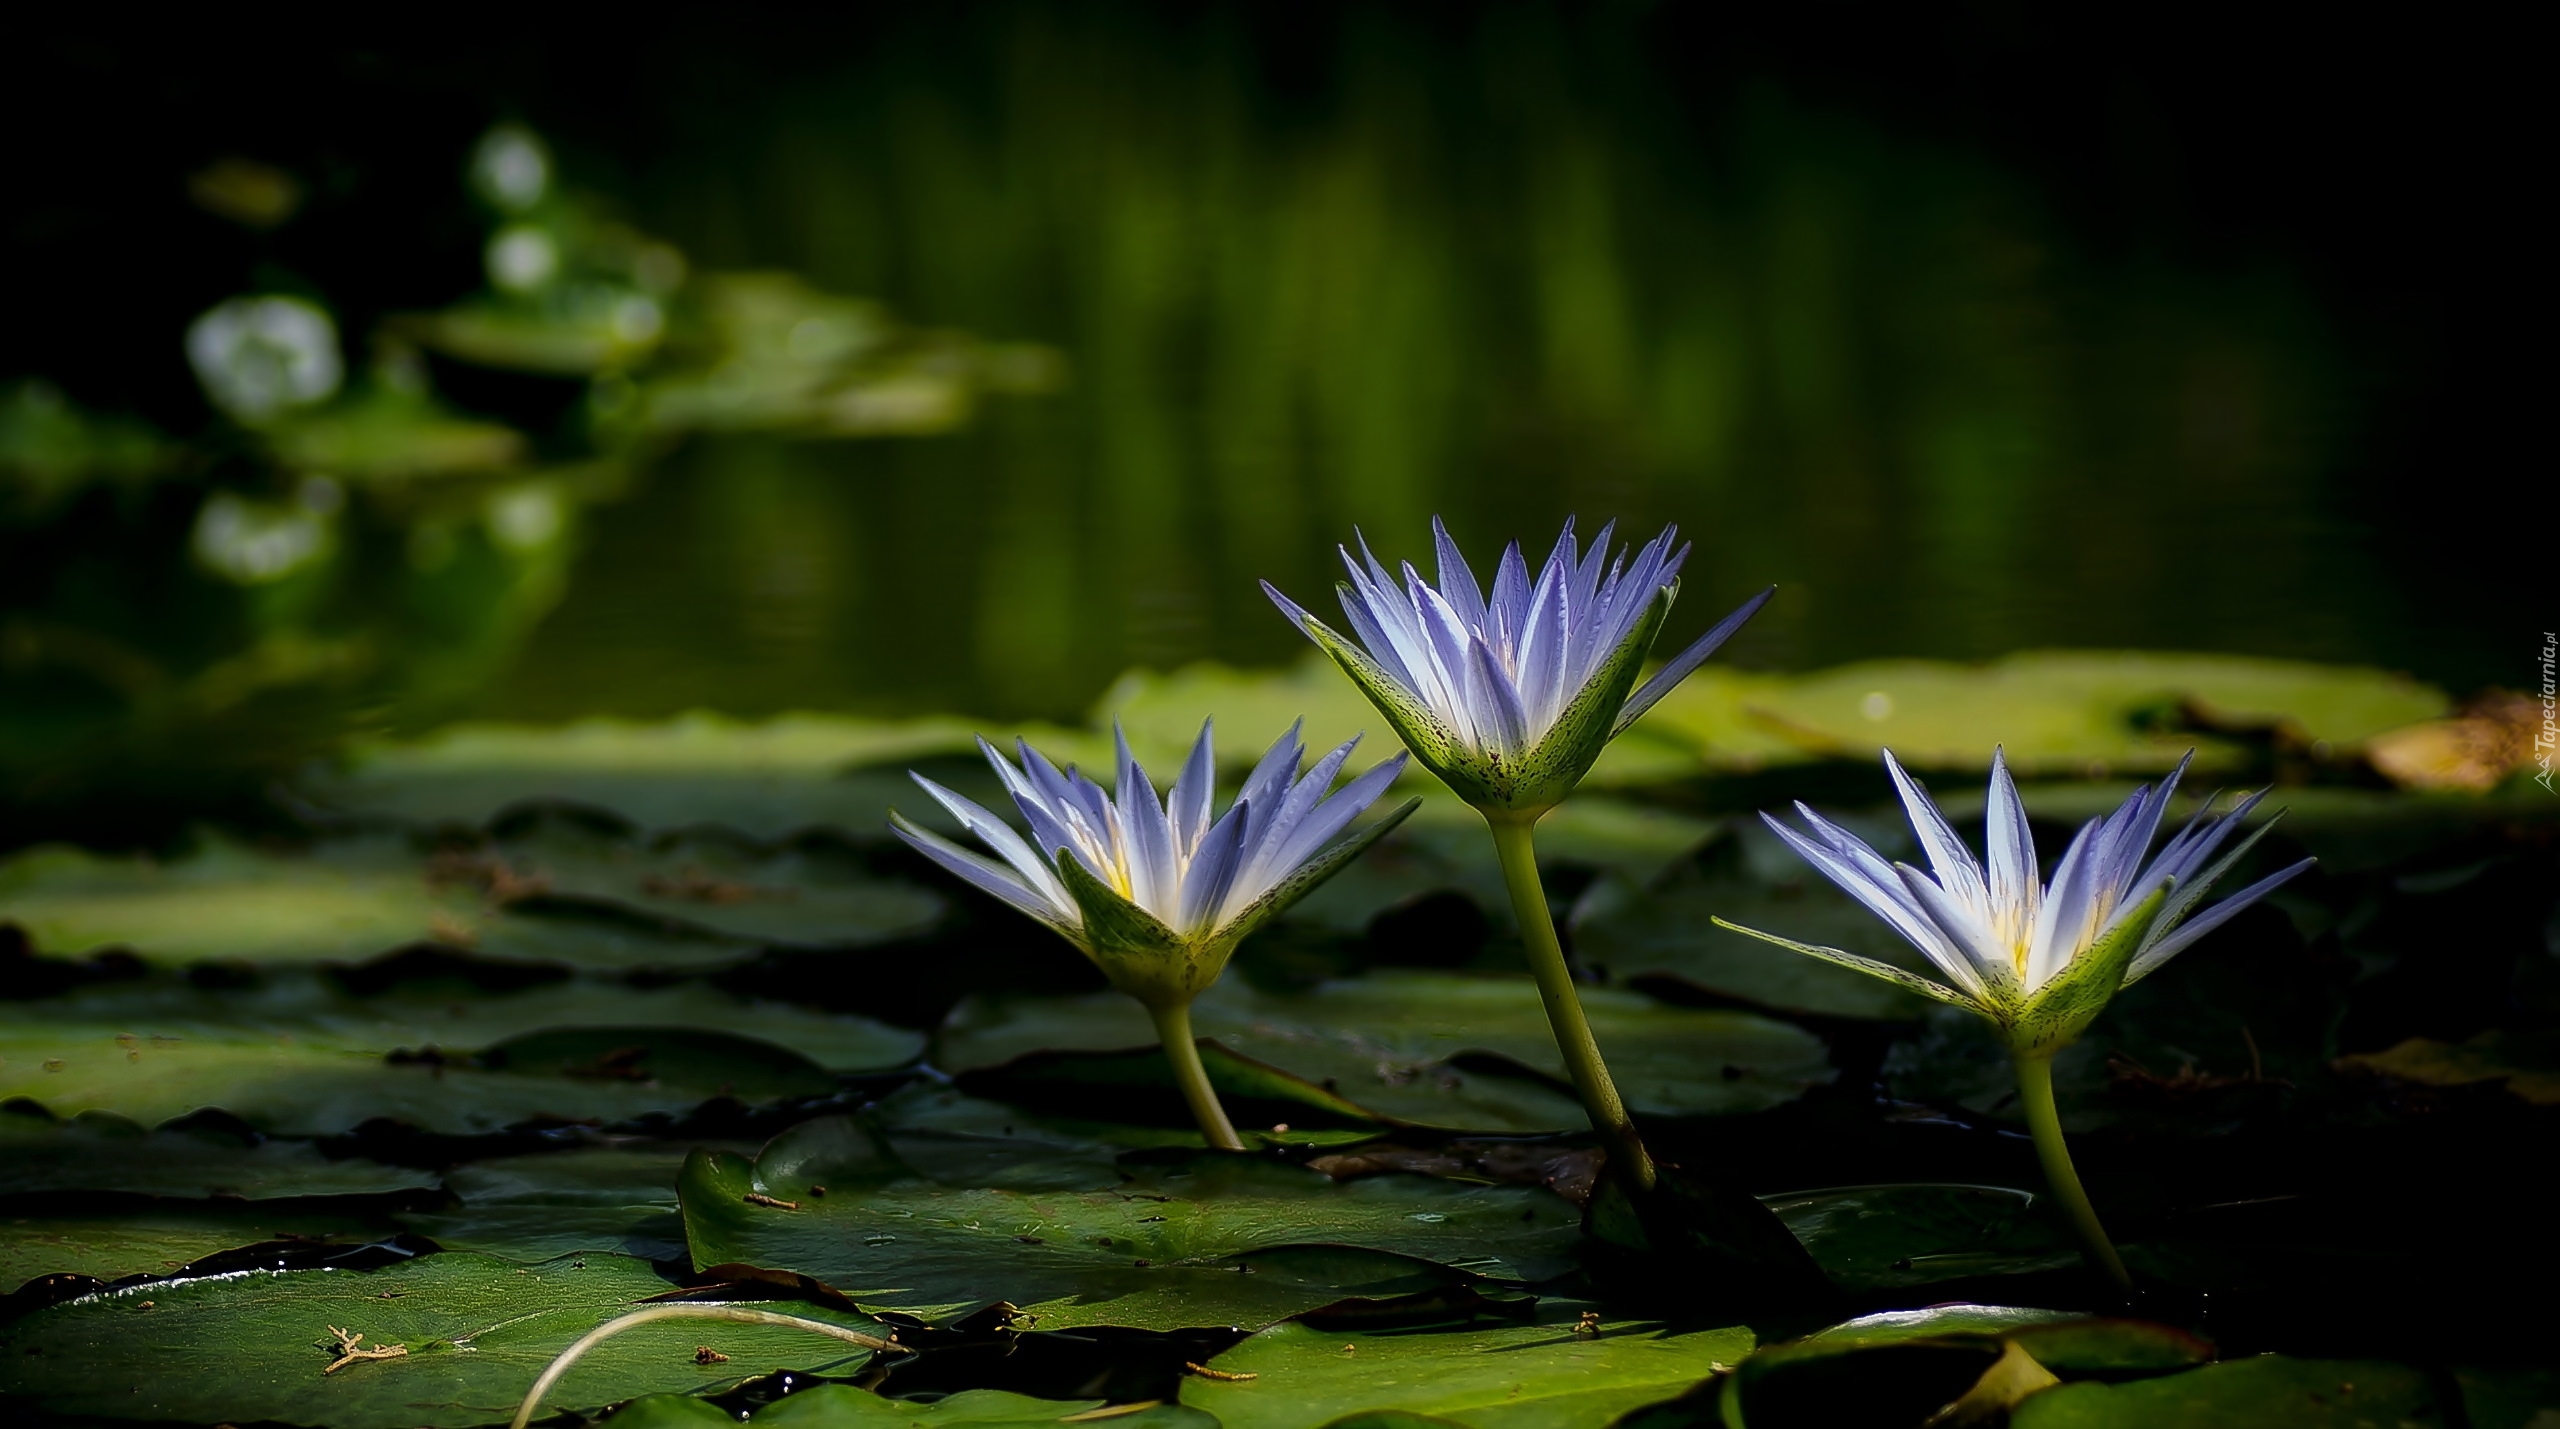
[100,1153]
[1889,1237]
[1711,717]
[1135,1083]
[2526,1063]
[294,1058]
[1668,934]
[1444,847]
[1907,1364]
[765,779]
[841,1406]
[346,902]
[1210,1240]
[2087,712]
[530,1208]
[1546,1373]
[2508,1398]
[723,887]
[551,896]
[476,1330]
[1387,1042]
[160,1240]
[2247,1394]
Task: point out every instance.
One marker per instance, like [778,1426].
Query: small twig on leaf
[349,1353]
[1220,1375]
[759,1198]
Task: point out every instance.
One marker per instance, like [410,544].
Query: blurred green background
[962,358]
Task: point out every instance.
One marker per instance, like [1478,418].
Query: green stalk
[1173,1027]
[1515,842]
[2035,1092]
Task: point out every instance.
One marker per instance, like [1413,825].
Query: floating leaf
[766,779]
[2527,1063]
[1552,1373]
[1888,1237]
[1909,1365]
[528,1208]
[225,900]
[476,1330]
[160,1240]
[812,895]
[1386,1042]
[2250,1394]
[2082,712]
[1208,1240]
[293,1058]
[1669,934]
[104,1153]
[841,1406]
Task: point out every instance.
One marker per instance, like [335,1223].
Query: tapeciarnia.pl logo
[2546,741]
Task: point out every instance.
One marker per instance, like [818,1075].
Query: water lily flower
[1159,891]
[2039,960]
[1509,697]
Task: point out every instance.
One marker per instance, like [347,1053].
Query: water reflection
[1505,276]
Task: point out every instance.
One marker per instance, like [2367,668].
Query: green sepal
[1327,862]
[1141,956]
[2055,1016]
[1899,977]
[1586,726]
[1434,744]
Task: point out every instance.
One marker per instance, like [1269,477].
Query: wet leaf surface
[103,1153]
[837,1406]
[253,1347]
[295,1057]
[1387,1042]
[2269,1390]
[1206,1239]
[1548,1372]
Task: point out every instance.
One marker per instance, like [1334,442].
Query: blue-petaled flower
[2041,960]
[1510,695]
[1159,891]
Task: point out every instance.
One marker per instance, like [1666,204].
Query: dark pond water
[1504,269]
[1970,336]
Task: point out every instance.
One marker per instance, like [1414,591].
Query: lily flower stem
[2035,1093]
[1515,842]
[1173,1027]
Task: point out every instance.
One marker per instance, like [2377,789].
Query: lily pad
[617,1198]
[159,1240]
[1444,847]
[225,900]
[292,1058]
[1909,1365]
[1670,935]
[476,1330]
[554,895]
[724,887]
[766,779]
[101,1153]
[2248,1394]
[2526,1063]
[2063,712]
[841,1406]
[1890,1237]
[1387,1042]
[1550,1373]
[1214,1239]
